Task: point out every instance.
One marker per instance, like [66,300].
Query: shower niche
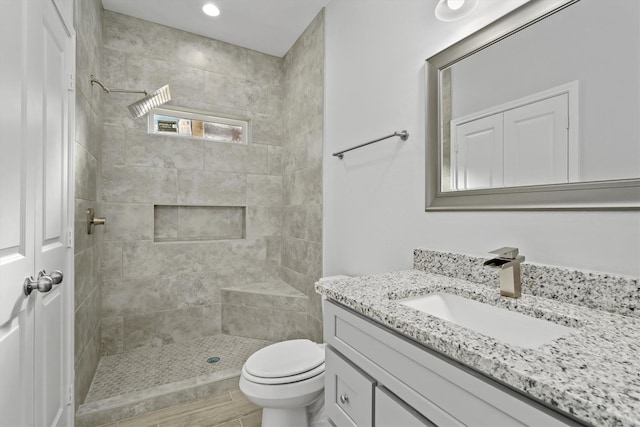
[173,223]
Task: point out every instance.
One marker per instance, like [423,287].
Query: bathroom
[356,73]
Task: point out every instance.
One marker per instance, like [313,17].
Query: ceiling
[273,26]
[268,26]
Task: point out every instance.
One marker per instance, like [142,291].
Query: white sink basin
[503,325]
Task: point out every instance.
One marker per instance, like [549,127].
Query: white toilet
[287,380]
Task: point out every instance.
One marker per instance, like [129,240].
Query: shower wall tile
[87,136]
[112,335]
[87,322]
[144,149]
[263,323]
[313,222]
[268,129]
[298,280]
[211,188]
[148,294]
[223,58]
[231,91]
[82,120]
[233,157]
[85,275]
[159,328]
[315,329]
[273,248]
[162,259]
[116,112]
[128,221]
[295,221]
[113,148]
[305,186]
[85,369]
[313,139]
[113,70]
[264,190]
[150,74]
[111,260]
[264,220]
[301,163]
[139,185]
[127,34]
[275,160]
[86,169]
[264,67]
[314,308]
[212,319]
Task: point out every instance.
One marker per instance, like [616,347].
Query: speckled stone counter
[593,373]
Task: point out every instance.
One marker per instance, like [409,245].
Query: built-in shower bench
[270,310]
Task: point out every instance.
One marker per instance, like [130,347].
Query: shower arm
[108,90]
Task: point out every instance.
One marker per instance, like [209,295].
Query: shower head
[144,105]
[151,101]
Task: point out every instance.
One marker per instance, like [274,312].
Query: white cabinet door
[477,154]
[35,341]
[536,149]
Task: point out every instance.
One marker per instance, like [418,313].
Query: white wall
[374,199]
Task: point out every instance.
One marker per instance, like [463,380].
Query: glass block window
[192,124]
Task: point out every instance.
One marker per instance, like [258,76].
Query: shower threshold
[130,384]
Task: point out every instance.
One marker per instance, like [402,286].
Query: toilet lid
[284,380]
[285,359]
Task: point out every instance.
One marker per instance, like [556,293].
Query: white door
[36,59]
[476,159]
[536,148]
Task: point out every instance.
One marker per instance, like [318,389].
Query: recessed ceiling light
[211,9]
[451,10]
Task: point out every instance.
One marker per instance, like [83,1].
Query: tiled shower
[209,249]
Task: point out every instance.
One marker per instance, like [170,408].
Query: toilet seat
[284,380]
[285,360]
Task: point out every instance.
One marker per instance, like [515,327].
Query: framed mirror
[539,110]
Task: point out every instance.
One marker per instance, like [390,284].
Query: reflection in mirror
[552,107]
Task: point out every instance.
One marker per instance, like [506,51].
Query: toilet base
[289,417]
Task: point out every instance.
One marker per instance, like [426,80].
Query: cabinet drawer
[392,412]
[348,392]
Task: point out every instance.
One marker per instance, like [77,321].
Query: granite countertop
[593,373]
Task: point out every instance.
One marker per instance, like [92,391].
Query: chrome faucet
[508,261]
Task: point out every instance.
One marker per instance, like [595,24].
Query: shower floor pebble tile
[147,368]
[229,409]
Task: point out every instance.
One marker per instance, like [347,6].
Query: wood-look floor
[229,409]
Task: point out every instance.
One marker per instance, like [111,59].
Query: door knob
[44,283]
[57,277]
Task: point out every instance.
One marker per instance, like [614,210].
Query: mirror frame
[623,194]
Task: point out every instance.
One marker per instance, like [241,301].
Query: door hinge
[70,238]
[72,82]
[70,394]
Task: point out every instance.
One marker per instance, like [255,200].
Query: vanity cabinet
[377,377]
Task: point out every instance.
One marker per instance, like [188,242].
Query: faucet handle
[506,252]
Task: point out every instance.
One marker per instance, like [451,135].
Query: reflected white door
[476,158]
[536,149]
[35,66]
